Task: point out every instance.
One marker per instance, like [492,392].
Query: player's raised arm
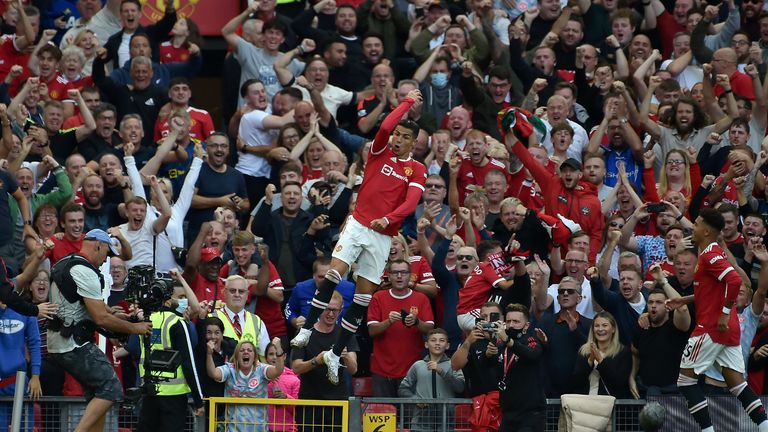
[381,140]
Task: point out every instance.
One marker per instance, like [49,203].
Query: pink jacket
[281,416]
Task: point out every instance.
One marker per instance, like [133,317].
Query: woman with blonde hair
[680,173]
[603,364]
[245,377]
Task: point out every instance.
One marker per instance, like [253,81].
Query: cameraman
[166,410]
[76,289]
[479,359]
[523,404]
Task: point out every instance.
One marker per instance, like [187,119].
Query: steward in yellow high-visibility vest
[166,410]
[238,322]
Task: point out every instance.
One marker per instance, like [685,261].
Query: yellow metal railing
[233,414]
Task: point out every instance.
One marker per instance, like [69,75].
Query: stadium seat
[362,386]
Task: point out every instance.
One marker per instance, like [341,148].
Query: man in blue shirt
[301,297]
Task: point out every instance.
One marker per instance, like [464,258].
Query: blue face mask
[183,305]
[439,79]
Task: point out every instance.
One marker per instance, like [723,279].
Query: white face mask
[183,305]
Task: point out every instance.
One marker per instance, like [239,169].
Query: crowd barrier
[61,414]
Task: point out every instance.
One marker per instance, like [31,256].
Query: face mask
[439,79]
[183,305]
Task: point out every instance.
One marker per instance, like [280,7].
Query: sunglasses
[616,225]
[434,186]
[464,257]
[569,291]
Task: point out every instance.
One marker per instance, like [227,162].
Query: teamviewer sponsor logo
[389,171]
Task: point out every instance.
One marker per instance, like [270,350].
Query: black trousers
[255,187]
[532,421]
[163,413]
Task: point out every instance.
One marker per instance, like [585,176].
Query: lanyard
[507,361]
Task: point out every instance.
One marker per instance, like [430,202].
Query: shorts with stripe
[701,353]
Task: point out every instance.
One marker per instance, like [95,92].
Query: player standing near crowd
[391,189]
[716,336]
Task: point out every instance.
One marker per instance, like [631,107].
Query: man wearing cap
[201,271]
[139,232]
[76,288]
[565,193]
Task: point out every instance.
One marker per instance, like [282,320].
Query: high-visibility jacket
[161,340]
[251,327]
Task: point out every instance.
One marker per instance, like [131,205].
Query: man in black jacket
[295,253]
[486,103]
[130,15]
[523,405]
[143,97]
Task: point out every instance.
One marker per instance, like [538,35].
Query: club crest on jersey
[585,210]
[339,248]
[253,383]
[408,171]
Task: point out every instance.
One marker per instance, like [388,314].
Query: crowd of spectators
[573,234]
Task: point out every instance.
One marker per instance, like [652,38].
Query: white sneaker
[331,361]
[301,339]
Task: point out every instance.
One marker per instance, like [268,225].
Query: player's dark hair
[485,247]
[410,125]
[713,218]
[658,291]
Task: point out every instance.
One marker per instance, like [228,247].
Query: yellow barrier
[231,414]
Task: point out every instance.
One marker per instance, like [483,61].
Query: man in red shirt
[72,220]
[202,272]
[476,164]
[485,284]
[725,63]
[14,48]
[179,93]
[715,339]
[565,193]
[390,191]
[395,332]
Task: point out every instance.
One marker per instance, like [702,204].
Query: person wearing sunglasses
[566,331]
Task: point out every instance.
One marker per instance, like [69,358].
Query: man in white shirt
[139,231]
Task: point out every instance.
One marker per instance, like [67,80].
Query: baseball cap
[101,236]
[209,254]
[573,163]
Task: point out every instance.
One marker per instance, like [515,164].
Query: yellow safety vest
[176,385]
[251,327]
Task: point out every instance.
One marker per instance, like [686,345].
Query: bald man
[725,62]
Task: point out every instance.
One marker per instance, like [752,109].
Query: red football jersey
[200,128]
[478,287]
[471,176]
[388,180]
[715,282]
[406,342]
[171,54]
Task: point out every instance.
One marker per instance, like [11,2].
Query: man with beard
[688,126]
[564,193]
[617,142]
[217,181]
[522,223]
[286,232]
[99,214]
[139,231]
[143,97]
[594,172]
[338,39]
[115,183]
[656,349]
[475,166]
[203,267]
